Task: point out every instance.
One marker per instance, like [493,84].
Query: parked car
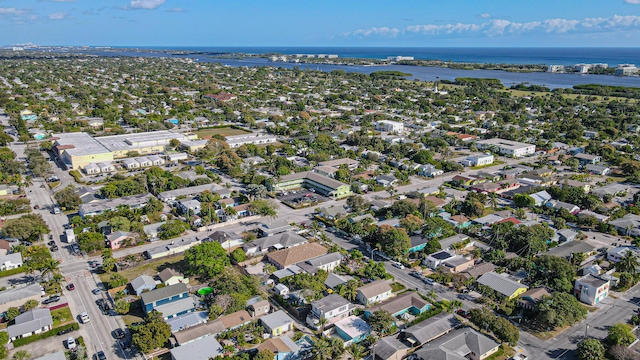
[463,313]
[65,331]
[51,243]
[95,291]
[101,356]
[71,343]
[118,333]
[429,281]
[53,248]
[84,317]
[71,287]
[36,207]
[51,299]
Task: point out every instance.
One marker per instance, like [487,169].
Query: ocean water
[547,56]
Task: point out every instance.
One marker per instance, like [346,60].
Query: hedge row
[17,270]
[44,335]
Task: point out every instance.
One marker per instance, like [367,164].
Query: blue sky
[402,23]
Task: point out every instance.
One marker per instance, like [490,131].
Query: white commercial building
[478,160]
[252,138]
[390,126]
[507,147]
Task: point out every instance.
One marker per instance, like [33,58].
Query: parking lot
[301,198]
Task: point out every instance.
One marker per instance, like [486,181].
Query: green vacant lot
[205,133]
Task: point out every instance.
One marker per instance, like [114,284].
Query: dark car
[54,248]
[65,331]
[50,236]
[71,287]
[101,356]
[52,299]
[118,333]
[95,291]
[36,207]
[463,313]
[51,243]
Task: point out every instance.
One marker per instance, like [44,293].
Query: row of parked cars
[420,276]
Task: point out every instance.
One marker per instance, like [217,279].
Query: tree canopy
[206,260]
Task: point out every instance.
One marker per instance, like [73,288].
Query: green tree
[12,313]
[263,208]
[206,260]
[590,349]
[68,198]
[4,339]
[30,304]
[27,228]
[117,280]
[523,200]
[620,334]
[358,203]
[265,354]
[628,263]
[411,223]
[238,255]
[21,355]
[356,351]
[432,247]
[321,349]
[381,321]
[153,333]
[122,306]
[553,271]
[120,223]
[90,241]
[172,229]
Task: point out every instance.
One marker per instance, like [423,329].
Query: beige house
[374,292]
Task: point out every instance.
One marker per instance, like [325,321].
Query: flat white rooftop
[83,144]
[503,143]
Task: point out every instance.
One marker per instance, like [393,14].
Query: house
[627,225]
[189,207]
[287,257]
[566,235]
[418,243]
[58,355]
[389,126]
[235,319]
[277,323]
[463,241]
[485,188]
[567,249]
[597,169]
[502,285]
[591,290]
[274,228]
[283,348]
[409,302]
[170,277]
[389,348]
[586,159]
[279,241]
[116,239]
[281,290]
[204,348]
[332,307]
[259,308]
[478,270]
[430,171]
[374,292]
[434,260]
[176,246]
[459,221]
[30,323]
[457,264]
[556,204]
[541,197]
[10,261]
[616,254]
[460,344]
[170,300]
[334,280]
[143,283]
[531,297]
[5,248]
[16,297]
[430,329]
[352,330]
[386,180]
[227,239]
[327,262]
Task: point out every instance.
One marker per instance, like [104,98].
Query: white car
[71,343]
[398,265]
[84,317]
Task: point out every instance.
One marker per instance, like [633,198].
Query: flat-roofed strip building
[250,138]
[171,195]
[507,147]
[77,150]
[321,184]
[98,207]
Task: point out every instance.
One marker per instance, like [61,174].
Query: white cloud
[146,4]
[385,31]
[57,16]
[633,2]
[485,15]
[498,27]
[11,11]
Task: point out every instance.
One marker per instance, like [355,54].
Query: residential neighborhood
[272,213]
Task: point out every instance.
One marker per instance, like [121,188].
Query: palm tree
[628,263]
[21,355]
[356,351]
[27,181]
[49,266]
[322,322]
[494,201]
[455,305]
[315,227]
[321,350]
[432,295]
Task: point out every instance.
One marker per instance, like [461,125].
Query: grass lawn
[521,93]
[496,162]
[135,315]
[503,353]
[152,268]
[395,287]
[54,184]
[61,316]
[205,133]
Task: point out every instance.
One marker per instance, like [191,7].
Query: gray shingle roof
[457,345]
[30,321]
[276,319]
[163,293]
[499,283]
[432,328]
